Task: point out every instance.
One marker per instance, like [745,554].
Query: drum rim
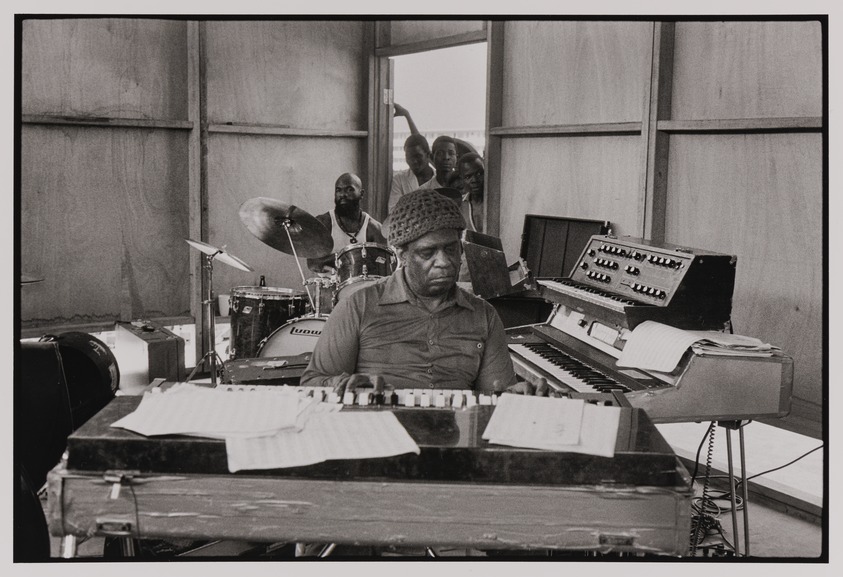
[265,291]
[322,281]
[358,278]
[364,245]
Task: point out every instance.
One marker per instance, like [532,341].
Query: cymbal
[220,255]
[267,219]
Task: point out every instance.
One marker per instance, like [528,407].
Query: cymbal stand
[287,223]
[211,356]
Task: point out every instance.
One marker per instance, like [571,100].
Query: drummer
[347,222]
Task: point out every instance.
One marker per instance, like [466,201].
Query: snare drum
[293,338]
[362,263]
[256,311]
[321,290]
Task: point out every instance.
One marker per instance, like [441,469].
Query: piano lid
[452,450]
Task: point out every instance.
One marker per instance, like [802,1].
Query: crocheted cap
[420,212]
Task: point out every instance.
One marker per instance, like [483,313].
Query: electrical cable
[785,465]
[702,522]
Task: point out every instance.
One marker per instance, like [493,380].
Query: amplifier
[147,351]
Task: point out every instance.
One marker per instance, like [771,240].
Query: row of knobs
[636,255]
[653,292]
[664,261]
[606,263]
[599,276]
[608,248]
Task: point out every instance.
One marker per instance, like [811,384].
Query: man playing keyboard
[416,328]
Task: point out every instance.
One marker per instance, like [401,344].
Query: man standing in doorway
[417,156]
[445,162]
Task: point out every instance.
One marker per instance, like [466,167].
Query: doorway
[444,92]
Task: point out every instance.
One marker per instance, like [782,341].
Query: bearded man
[347,222]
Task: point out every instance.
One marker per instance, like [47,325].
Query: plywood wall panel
[103,218]
[292,73]
[128,68]
[298,171]
[747,70]
[409,31]
[575,72]
[582,177]
[759,197]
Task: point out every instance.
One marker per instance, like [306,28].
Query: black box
[551,245]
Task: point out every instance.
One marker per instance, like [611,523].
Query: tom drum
[362,263]
[256,311]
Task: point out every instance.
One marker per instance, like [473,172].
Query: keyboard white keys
[558,373]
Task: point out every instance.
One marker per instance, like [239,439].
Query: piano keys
[365,397]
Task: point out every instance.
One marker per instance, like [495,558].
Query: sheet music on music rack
[554,424]
[659,347]
[188,409]
[270,427]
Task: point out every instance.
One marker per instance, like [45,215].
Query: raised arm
[401,111]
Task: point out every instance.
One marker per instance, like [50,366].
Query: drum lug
[365,268]
[363,253]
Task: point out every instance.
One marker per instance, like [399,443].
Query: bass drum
[294,338]
[256,311]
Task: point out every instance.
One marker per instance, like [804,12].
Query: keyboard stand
[730,426]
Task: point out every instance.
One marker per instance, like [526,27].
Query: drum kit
[279,322]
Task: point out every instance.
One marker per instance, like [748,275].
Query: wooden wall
[104,206]
[704,134]
[287,111]
[562,83]
[115,175]
[756,193]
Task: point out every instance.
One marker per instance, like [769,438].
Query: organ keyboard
[619,283]
[422,398]
[629,280]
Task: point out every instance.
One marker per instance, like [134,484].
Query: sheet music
[654,346]
[325,436]
[529,421]
[211,412]
[596,429]
[659,347]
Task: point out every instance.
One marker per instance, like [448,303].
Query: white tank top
[343,239]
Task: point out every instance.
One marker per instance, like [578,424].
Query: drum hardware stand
[211,355]
[211,253]
[287,223]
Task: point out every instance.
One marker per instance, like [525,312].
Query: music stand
[211,253]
